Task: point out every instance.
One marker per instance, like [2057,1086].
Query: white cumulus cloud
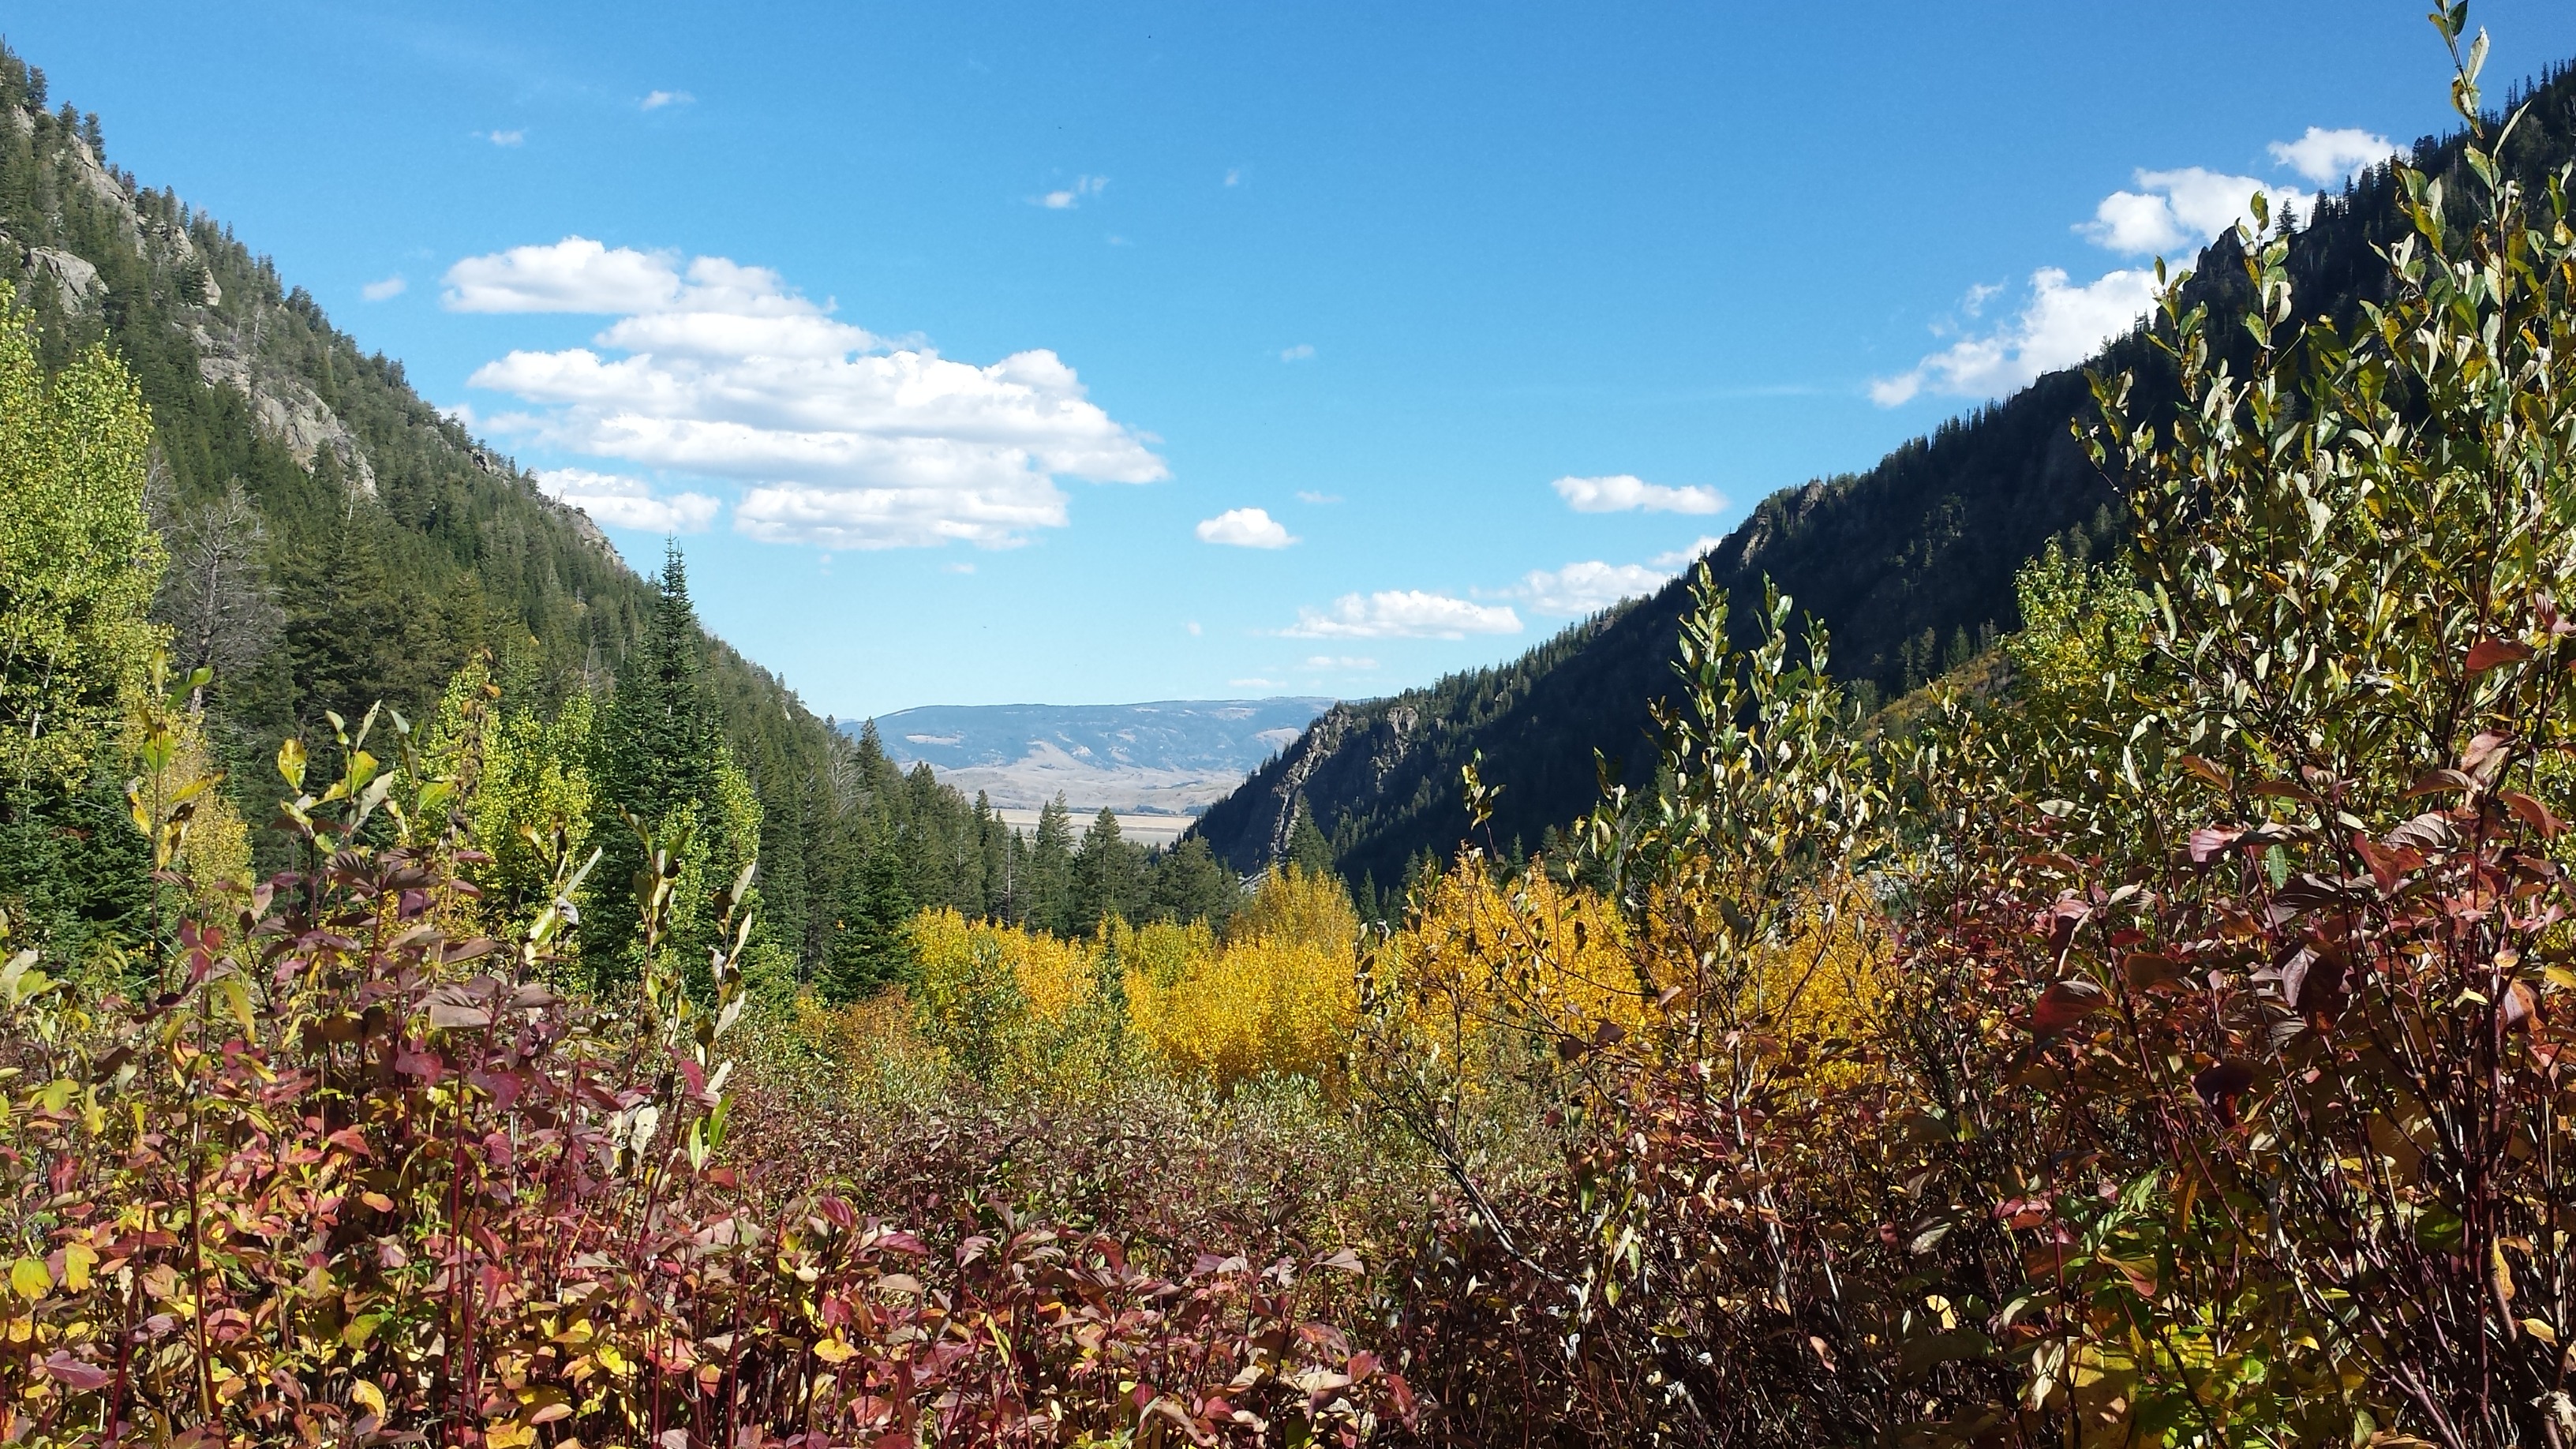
[379,291]
[2062,324]
[2171,213]
[838,438]
[625,502]
[1588,587]
[2183,210]
[2330,157]
[1402,614]
[573,275]
[1625,493]
[1245,528]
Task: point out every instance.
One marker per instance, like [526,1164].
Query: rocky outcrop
[286,409]
[75,281]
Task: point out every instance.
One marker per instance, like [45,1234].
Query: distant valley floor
[1154,764]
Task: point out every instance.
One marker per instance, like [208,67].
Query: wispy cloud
[621,501]
[503,138]
[1067,198]
[1627,493]
[1319,499]
[840,439]
[1402,614]
[1682,558]
[1245,528]
[1302,352]
[656,100]
[1356,664]
[384,290]
[1236,175]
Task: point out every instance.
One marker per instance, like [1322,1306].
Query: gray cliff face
[1351,751]
[284,406]
[75,281]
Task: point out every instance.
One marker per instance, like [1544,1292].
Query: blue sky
[964,341]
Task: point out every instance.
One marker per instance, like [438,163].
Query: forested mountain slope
[1909,566]
[335,541]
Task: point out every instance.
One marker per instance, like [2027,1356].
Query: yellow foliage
[1528,953]
[214,855]
[78,557]
[1276,998]
[1270,1005]
[1280,997]
[1015,1006]
[1294,904]
[1826,979]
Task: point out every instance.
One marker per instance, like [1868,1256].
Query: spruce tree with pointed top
[662,757]
[1308,850]
[871,945]
[1050,870]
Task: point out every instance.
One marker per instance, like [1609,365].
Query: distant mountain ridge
[1162,757]
[1909,565]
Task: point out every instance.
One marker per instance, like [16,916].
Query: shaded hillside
[1909,565]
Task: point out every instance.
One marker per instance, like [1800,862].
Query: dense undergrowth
[2163,1046]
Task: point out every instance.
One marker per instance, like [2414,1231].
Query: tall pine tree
[872,948]
[662,757]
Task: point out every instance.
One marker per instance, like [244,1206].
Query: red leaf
[73,1374]
[2060,921]
[2491,652]
[2485,754]
[2221,1086]
[2209,840]
[2533,813]
[2517,1008]
[2064,1004]
[2209,770]
[462,1004]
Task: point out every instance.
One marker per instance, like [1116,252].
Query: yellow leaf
[833,1350]
[235,997]
[78,1259]
[2540,1329]
[366,1395]
[509,1436]
[29,1279]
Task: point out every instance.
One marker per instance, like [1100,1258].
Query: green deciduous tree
[78,559]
